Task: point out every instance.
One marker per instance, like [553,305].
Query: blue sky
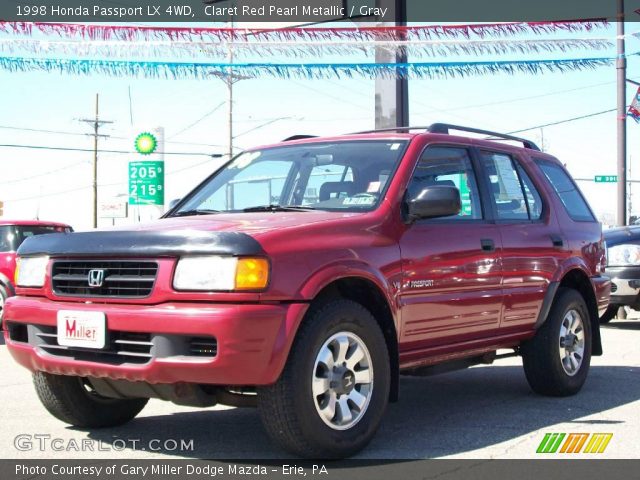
[500,102]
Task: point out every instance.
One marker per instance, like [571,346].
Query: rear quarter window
[573,201]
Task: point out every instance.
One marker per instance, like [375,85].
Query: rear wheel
[73,401]
[556,361]
[332,394]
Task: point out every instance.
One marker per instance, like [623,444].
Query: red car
[12,234]
[304,277]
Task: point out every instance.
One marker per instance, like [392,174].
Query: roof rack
[298,137]
[445,127]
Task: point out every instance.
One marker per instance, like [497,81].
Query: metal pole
[230,86]
[621,67]
[95,166]
[402,83]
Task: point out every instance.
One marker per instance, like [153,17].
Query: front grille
[122,347]
[121,279]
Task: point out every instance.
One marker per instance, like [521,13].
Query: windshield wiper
[278,208]
[188,213]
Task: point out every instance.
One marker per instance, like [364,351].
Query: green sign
[606,178]
[146,183]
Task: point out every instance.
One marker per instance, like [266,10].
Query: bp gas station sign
[146,177]
[146,183]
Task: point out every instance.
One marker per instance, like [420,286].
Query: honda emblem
[96,278]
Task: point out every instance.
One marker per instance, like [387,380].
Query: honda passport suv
[303,278]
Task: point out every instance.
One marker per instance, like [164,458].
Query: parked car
[623,267]
[12,234]
[304,277]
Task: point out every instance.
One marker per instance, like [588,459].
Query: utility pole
[96,123]
[230,78]
[630,192]
[621,67]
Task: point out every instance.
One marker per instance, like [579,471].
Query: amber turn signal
[252,274]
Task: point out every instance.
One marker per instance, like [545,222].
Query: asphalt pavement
[483,412]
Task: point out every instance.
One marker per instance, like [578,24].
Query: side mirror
[435,201]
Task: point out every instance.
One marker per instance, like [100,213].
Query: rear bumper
[253,340]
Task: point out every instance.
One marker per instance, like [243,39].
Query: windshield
[339,176]
[12,236]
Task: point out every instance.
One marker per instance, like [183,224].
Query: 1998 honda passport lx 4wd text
[304,277]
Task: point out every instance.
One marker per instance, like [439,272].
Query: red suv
[306,276]
[12,234]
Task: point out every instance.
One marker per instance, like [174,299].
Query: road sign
[606,178]
[146,182]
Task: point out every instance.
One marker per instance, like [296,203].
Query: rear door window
[573,201]
[514,195]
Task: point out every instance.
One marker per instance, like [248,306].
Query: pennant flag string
[198,49]
[178,70]
[422,32]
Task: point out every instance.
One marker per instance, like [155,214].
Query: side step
[458,364]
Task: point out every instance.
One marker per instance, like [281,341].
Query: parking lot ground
[483,412]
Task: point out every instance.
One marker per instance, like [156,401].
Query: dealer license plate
[81,329]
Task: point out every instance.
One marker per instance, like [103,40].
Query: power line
[41,130]
[61,132]
[198,120]
[52,194]
[43,174]
[581,117]
[62,192]
[530,97]
[127,152]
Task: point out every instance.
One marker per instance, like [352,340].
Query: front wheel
[3,297]
[330,398]
[73,401]
[556,360]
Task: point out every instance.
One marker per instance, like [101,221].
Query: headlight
[31,271]
[623,255]
[208,273]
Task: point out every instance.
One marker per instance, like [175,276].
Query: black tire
[609,314]
[3,297]
[288,407]
[71,400]
[541,355]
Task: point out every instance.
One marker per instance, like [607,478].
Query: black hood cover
[141,243]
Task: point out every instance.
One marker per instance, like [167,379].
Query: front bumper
[253,340]
[625,285]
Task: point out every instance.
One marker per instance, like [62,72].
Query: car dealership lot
[483,412]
